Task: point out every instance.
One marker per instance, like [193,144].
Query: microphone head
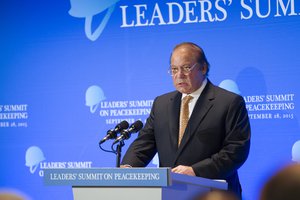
[112,134]
[122,125]
[136,126]
[125,134]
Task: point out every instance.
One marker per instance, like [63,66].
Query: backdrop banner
[72,70]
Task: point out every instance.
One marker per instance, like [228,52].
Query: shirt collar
[198,92]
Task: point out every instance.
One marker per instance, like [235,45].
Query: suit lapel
[203,105]
[173,114]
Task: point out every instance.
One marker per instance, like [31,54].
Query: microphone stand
[118,153]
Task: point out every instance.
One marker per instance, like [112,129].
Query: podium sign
[129,177]
[130,183]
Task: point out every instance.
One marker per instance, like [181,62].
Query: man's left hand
[181,169]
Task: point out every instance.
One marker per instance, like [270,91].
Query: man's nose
[180,73]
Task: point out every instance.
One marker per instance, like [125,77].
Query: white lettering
[280,97]
[113,104]
[171,11]
[252,99]
[140,15]
[157,14]
[136,176]
[284,9]
[248,8]
[258,9]
[90,176]
[270,106]
[190,12]
[63,176]
[218,7]
[201,11]
[206,11]
[86,164]
[124,18]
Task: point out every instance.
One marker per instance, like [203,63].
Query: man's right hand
[125,166]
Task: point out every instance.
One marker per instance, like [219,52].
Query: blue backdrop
[71,70]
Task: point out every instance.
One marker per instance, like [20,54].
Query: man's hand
[125,166]
[181,169]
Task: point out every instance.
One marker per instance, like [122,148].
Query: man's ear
[204,69]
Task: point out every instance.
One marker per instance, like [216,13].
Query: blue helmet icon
[296,152]
[93,96]
[87,9]
[230,85]
[33,157]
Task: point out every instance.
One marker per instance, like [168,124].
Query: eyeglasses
[185,69]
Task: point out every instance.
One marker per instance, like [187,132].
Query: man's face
[187,83]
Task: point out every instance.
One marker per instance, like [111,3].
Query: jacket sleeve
[143,148]
[235,147]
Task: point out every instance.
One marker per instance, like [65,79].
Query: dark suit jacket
[216,141]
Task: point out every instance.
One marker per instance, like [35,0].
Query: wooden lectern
[130,183]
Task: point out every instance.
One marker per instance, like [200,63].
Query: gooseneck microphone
[112,133]
[125,134]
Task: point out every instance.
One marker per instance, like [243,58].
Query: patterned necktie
[184,116]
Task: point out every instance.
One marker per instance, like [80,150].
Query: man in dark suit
[216,139]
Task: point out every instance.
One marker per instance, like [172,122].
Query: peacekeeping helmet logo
[230,85]
[296,152]
[33,157]
[89,8]
[93,96]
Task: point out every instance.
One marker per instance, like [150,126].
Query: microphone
[125,134]
[112,133]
